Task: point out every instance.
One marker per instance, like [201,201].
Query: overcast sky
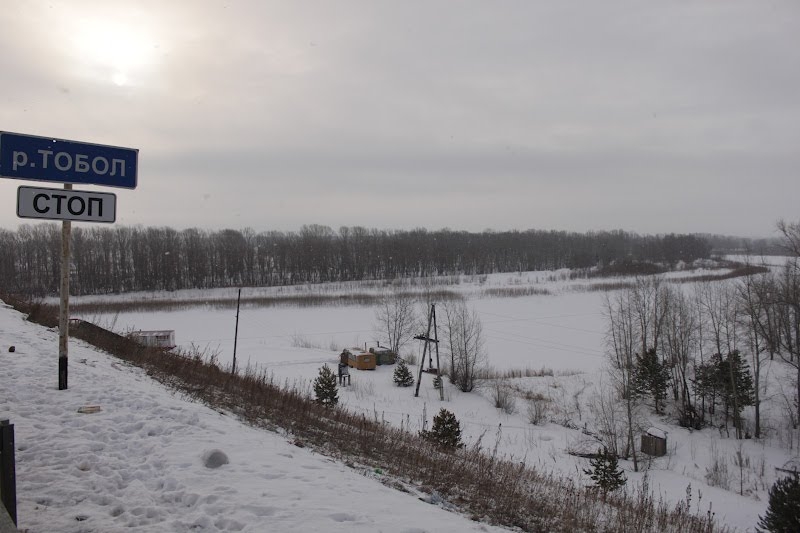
[650,116]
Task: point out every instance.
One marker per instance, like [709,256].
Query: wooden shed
[383,355]
[359,359]
[654,442]
[164,338]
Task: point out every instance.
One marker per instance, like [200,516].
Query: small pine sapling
[446,430]
[325,387]
[605,472]
[651,376]
[783,511]
[402,375]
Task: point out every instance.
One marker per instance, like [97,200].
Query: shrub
[446,430]
[537,410]
[503,397]
[325,387]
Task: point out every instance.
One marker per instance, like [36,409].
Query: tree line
[122,258]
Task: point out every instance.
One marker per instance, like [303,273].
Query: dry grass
[503,396]
[604,286]
[509,373]
[515,292]
[737,272]
[480,484]
[418,288]
[296,300]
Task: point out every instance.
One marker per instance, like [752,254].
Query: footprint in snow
[261,511]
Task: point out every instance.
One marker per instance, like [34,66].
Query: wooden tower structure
[426,350]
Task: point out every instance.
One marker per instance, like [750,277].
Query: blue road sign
[27,157]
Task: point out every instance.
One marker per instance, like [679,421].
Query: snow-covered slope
[140,462]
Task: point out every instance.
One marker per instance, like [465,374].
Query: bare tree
[791,237]
[717,301]
[610,416]
[788,338]
[681,340]
[465,339]
[784,299]
[396,320]
[622,341]
[648,301]
[754,295]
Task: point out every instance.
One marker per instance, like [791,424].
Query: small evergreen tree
[726,380]
[605,472]
[652,377]
[402,375]
[325,387]
[446,430]
[738,388]
[783,511]
[705,387]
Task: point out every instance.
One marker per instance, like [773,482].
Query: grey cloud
[667,116]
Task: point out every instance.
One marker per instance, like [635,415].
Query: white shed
[163,338]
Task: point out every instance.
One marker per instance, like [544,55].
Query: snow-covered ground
[140,463]
[562,331]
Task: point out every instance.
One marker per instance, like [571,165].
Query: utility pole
[236,332]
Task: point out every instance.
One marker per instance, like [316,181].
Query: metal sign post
[63,310]
[29,157]
[236,331]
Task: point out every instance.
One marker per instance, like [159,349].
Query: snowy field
[559,332]
[562,331]
[140,463]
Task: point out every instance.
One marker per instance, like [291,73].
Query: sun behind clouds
[113,51]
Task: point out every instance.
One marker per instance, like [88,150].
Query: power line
[539,320]
[550,345]
[571,315]
[282,335]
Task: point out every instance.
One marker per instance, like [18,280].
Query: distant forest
[122,259]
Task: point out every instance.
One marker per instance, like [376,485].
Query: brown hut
[654,442]
[359,359]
